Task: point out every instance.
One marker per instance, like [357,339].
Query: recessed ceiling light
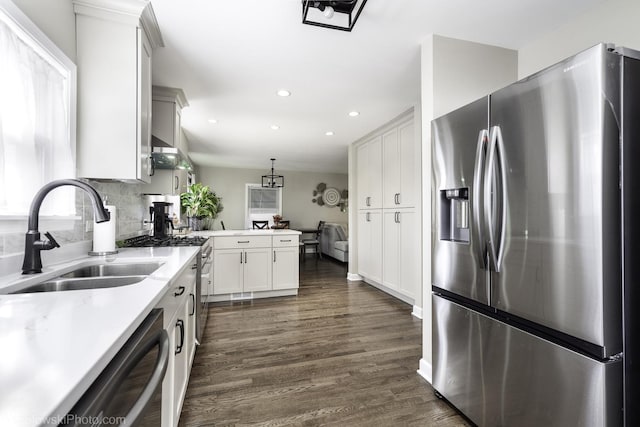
[213,121]
[329,133]
[275,127]
[283,92]
[354,113]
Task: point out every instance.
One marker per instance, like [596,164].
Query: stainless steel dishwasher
[129,390]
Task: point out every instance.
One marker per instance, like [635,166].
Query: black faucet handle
[52,241]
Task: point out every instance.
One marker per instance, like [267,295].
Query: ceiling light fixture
[273,180]
[275,127]
[283,92]
[354,113]
[212,121]
[335,14]
[329,133]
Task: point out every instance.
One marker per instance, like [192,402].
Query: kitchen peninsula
[251,264]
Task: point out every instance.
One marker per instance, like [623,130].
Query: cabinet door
[410,254]
[391,249]
[164,121]
[362,177]
[227,271]
[409,167]
[391,169]
[257,269]
[370,245]
[190,340]
[285,267]
[369,174]
[168,382]
[181,363]
[144,142]
[180,181]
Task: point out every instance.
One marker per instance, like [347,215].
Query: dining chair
[314,242]
[260,224]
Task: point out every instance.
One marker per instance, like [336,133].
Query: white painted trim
[417,312]
[252,295]
[390,291]
[354,277]
[425,371]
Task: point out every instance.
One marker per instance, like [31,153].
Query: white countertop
[264,232]
[55,344]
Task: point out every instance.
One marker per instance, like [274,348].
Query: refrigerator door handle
[478,184]
[496,154]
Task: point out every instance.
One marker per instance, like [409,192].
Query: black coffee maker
[161,221]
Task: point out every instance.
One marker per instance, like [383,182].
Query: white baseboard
[353,277]
[252,295]
[417,312]
[425,370]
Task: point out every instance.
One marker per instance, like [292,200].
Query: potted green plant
[200,203]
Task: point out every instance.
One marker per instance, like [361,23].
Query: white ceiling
[231,56]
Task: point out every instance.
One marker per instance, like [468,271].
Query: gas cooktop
[145,241]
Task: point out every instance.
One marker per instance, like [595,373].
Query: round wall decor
[331,196]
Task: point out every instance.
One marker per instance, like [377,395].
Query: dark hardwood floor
[339,354]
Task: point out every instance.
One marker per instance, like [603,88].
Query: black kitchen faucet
[33,245]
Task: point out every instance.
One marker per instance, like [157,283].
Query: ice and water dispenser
[454,215]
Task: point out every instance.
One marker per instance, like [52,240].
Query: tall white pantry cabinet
[388,235]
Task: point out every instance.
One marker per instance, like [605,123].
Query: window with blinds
[262,203]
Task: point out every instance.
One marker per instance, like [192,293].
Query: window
[262,204]
[37,117]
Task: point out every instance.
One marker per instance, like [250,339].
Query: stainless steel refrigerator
[535,236]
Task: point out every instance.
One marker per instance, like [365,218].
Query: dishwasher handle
[160,339]
[104,390]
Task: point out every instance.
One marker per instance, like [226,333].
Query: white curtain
[35,145]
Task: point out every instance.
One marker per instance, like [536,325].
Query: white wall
[229,183]
[615,21]
[454,73]
[56,19]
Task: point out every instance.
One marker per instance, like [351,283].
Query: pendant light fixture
[273,180]
[334,14]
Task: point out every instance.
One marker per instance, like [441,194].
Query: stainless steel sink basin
[74,284]
[102,270]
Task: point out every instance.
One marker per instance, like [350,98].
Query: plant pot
[195,224]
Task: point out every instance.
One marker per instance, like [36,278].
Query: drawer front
[284,241]
[235,242]
[179,291]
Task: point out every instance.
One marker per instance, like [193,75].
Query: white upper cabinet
[369,177]
[115,40]
[167,116]
[401,167]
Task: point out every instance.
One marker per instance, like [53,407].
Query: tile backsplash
[130,213]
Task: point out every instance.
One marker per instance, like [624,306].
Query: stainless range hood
[167,157]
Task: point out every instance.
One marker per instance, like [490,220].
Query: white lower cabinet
[255,265]
[401,252]
[286,267]
[179,321]
[370,244]
[241,270]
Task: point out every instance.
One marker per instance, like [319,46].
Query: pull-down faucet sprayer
[33,245]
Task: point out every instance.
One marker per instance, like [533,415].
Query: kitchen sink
[74,284]
[103,270]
